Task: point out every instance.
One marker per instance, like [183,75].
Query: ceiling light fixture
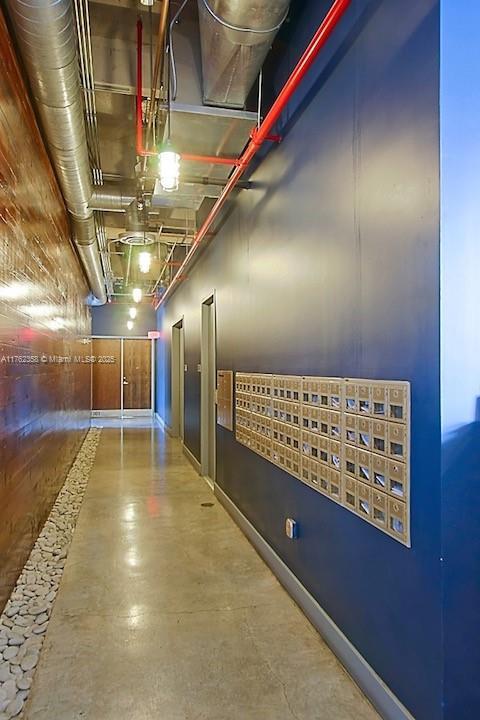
[144,261]
[130,324]
[168,167]
[168,158]
[133,313]
[137,295]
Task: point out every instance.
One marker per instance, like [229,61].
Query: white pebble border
[26,615]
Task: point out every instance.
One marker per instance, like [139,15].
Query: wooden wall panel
[44,380]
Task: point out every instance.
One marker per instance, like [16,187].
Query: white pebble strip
[26,615]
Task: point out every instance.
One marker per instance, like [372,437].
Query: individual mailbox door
[335,483]
[364,466]
[379,509]
[379,433]
[397,480]
[364,399]
[379,400]
[398,397]
[365,433]
[350,461]
[350,429]
[397,519]
[350,493]
[351,399]
[364,500]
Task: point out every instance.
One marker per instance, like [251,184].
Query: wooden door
[106,374]
[137,374]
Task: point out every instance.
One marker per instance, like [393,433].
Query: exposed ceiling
[180,72]
[109,28]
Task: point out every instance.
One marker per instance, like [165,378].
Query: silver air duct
[86,242]
[118,197]
[46,38]
[236,35]
[112,197]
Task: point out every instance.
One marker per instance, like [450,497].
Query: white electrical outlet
[291,528]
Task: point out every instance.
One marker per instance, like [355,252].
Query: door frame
[208,369]
[144,412]
[177,379]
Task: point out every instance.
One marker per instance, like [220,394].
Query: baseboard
[191,459]
[121,414]
[209,482]
[160,421]
[128,414]
[385,702]
[164,425]
[197,467]
[105,413]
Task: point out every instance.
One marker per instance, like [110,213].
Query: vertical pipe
[140,150]
[162,28]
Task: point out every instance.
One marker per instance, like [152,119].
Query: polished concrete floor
[166,612]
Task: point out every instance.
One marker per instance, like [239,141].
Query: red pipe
[260,134]
[272,138]
[213,159]
[141,151]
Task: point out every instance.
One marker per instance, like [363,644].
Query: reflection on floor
[166,612]
[139,421]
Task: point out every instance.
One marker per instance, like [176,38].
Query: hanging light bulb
[168,158]
[133,313]
[144,260]
[130,325]
[169,167]
[137,295]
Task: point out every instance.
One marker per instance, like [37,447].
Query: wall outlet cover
[291,528]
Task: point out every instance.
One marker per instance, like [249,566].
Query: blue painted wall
[460,255]
[331,266]
[111,319]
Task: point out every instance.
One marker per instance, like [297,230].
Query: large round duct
[45,33]
[236,36]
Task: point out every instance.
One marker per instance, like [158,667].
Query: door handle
[125,381]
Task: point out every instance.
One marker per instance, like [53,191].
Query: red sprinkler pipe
[262,133]
[141,151]
[213,159]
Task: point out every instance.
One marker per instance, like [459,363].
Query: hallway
[256,222]
[166,611]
